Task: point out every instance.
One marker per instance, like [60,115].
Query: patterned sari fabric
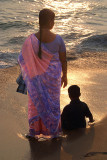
[43,80]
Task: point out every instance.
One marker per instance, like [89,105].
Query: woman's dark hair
[45,17]
[74,91]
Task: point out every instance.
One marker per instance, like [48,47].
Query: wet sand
[88,144]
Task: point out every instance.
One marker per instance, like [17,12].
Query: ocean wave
[93,43]
[17,40]
[8,59]
[75,35]
[15,24]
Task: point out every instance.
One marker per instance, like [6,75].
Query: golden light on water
[90,91]
[66,6]
[21,136]
[75,78]
[70,18]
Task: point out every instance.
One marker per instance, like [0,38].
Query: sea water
[83,26]
[81,23]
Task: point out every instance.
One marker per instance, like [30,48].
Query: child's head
[74,92]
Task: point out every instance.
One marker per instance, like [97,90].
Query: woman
[42,58]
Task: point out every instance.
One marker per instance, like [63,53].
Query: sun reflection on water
[91,92]
[71,17]
[71,20]
[66,6]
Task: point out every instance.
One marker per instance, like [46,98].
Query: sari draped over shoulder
[43,80]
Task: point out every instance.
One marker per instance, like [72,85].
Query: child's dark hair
[45,16]
[74,91]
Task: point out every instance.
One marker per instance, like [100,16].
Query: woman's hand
[64,81]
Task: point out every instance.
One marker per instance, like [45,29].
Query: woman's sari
[43,80]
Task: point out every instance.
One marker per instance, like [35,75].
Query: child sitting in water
[73,115]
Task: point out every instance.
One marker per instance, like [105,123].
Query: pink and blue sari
[43,80]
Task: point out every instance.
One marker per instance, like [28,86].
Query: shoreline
[90,143]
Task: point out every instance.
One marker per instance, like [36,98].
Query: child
[73,115]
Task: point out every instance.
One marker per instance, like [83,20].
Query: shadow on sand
[75,145]
[45,150]
[78,142]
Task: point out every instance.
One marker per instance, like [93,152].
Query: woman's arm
[62,57]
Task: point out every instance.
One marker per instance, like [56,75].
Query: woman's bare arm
[62,57]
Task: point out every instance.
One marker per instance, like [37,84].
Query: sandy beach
[82,144]
[83,26]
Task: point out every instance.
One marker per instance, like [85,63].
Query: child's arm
[91,118]
[89,114]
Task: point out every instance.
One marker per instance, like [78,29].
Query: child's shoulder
[84,104]
[66,107]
